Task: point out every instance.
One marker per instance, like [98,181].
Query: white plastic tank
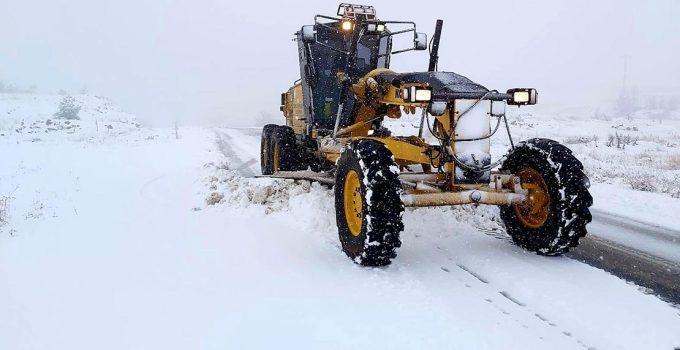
[473,124]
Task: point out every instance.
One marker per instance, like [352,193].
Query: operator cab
[322,63]
[355,43]
[324,51]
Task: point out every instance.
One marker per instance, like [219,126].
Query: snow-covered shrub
[674,189]
[4,210]
[653,138]
[621,140]
[672,162]
[641,181]
[601,116]
[575,140]
[68,109]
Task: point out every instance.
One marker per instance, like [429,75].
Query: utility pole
[625,70]
[625,103]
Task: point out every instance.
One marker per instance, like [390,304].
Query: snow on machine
[334,134]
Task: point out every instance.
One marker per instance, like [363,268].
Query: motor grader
[334,134]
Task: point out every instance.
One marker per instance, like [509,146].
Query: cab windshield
[327,61]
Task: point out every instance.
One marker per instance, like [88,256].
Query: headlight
[520,96]
[416,94]
[375,27]
[423,95]
[347,25]
[524,96]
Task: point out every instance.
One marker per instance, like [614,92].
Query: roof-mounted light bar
[353,10]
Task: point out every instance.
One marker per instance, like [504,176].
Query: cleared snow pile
[314,203]
[231,188]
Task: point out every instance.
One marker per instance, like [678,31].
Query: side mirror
[283,103]
[420,41]
[307,34]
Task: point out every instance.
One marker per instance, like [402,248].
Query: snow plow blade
[303,175]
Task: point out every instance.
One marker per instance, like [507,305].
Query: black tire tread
[569,195]
[290,157]
[383,210]
[265,142]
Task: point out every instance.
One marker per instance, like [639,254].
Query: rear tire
[284,145]
[556,217]
[367,203]
[266,160]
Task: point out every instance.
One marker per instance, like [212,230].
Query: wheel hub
[533,212]
[353,203]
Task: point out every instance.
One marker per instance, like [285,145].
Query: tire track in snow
[145,186]
[490,294]
[645,269]
[237,164]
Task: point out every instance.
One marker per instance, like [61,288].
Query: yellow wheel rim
[275,156]
[534,212]
[265,153]
[353,203]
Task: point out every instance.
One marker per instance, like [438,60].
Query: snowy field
[124,237]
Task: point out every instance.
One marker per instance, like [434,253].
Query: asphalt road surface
[645,254]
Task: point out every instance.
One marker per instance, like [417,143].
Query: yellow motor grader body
[406,151]
[333,134]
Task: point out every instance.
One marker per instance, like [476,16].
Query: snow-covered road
[127,256]
[623,242]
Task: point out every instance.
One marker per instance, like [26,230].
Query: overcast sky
[224,62]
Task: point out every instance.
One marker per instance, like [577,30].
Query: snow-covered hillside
[138,239]
[34,177]
[31,117]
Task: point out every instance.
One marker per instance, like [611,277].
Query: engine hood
[445,85]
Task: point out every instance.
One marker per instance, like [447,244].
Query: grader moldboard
[334,135]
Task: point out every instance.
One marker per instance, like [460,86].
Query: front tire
[368,204]
[557,212]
